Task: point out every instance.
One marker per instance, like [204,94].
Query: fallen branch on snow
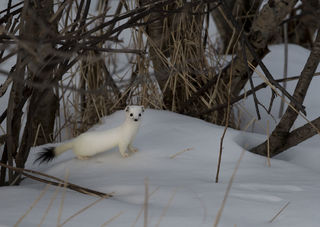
[57,181]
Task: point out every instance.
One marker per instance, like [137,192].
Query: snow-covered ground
[178,157]
[182,189]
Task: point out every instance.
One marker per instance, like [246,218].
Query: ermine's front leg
[132,149]
[122,150]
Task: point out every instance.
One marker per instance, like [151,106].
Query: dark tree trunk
[42,108]
[263,28]
[301,134]
[34,64]
[303,25]
[279,137]
[14,110]
[244,10]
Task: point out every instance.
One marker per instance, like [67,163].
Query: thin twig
[285,66]
[217,219]
[112,50]
[277,214]
[255,99]
[227,121]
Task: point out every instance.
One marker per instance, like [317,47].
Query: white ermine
[91,143]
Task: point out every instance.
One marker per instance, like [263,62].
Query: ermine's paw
[125,155]
[134,149]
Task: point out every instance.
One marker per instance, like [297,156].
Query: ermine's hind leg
[122,150]
[132,149]
[82,157]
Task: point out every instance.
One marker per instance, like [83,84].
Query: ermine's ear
[127,108]
[142,109]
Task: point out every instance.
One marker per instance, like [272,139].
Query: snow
[183,189]
[178,159]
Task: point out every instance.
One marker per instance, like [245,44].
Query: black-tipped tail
[45,156]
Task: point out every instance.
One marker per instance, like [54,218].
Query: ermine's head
[134,113]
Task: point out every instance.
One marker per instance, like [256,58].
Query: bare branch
[57,181]
[279,136]
[246,94]
[260,36]
[301,134]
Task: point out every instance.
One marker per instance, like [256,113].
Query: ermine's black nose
[135,119]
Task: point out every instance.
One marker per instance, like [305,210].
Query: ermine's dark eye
[131,115]
[139,115]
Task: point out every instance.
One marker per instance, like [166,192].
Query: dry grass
[109,88]
[165,209]
[112,219]
[45,189]
[142,208]
[181,152]
[82,210]
[180,56]
[218,216]
[102,87]
[49,206]
[62,198]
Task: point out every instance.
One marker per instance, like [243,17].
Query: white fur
[91,143]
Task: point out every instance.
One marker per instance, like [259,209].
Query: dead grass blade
[217,219]
[181,152]
[82,210]
[165,209]
[141,210]
[112,219]
[62,198]
[33,205]
[249,124]
[49,206]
